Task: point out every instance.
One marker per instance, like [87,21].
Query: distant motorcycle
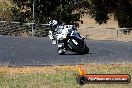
[68,39]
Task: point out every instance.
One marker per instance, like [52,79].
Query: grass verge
[59,76]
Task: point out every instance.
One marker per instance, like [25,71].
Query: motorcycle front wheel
[61,49]
[77,45]
[86,50]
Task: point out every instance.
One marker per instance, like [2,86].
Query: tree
[70,11]
[45,9]
[5,11]
[21,11]
[123,13]
[121,9]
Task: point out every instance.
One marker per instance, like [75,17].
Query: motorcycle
[68,39]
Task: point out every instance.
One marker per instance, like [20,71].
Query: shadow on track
[76,53]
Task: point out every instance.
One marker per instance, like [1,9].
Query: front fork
[62,46]
[61,49]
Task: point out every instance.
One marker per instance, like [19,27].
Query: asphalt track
[32,51]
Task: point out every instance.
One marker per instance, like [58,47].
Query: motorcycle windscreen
[75,33]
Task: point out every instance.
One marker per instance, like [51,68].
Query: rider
[54,27]
[53,24]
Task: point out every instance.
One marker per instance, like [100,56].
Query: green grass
[60,76]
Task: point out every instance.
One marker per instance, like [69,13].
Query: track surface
[27,51]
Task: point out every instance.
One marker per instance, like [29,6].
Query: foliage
[69,11]
[123,13]
[121,9]
[5,12]
[21,11]
[45,9]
